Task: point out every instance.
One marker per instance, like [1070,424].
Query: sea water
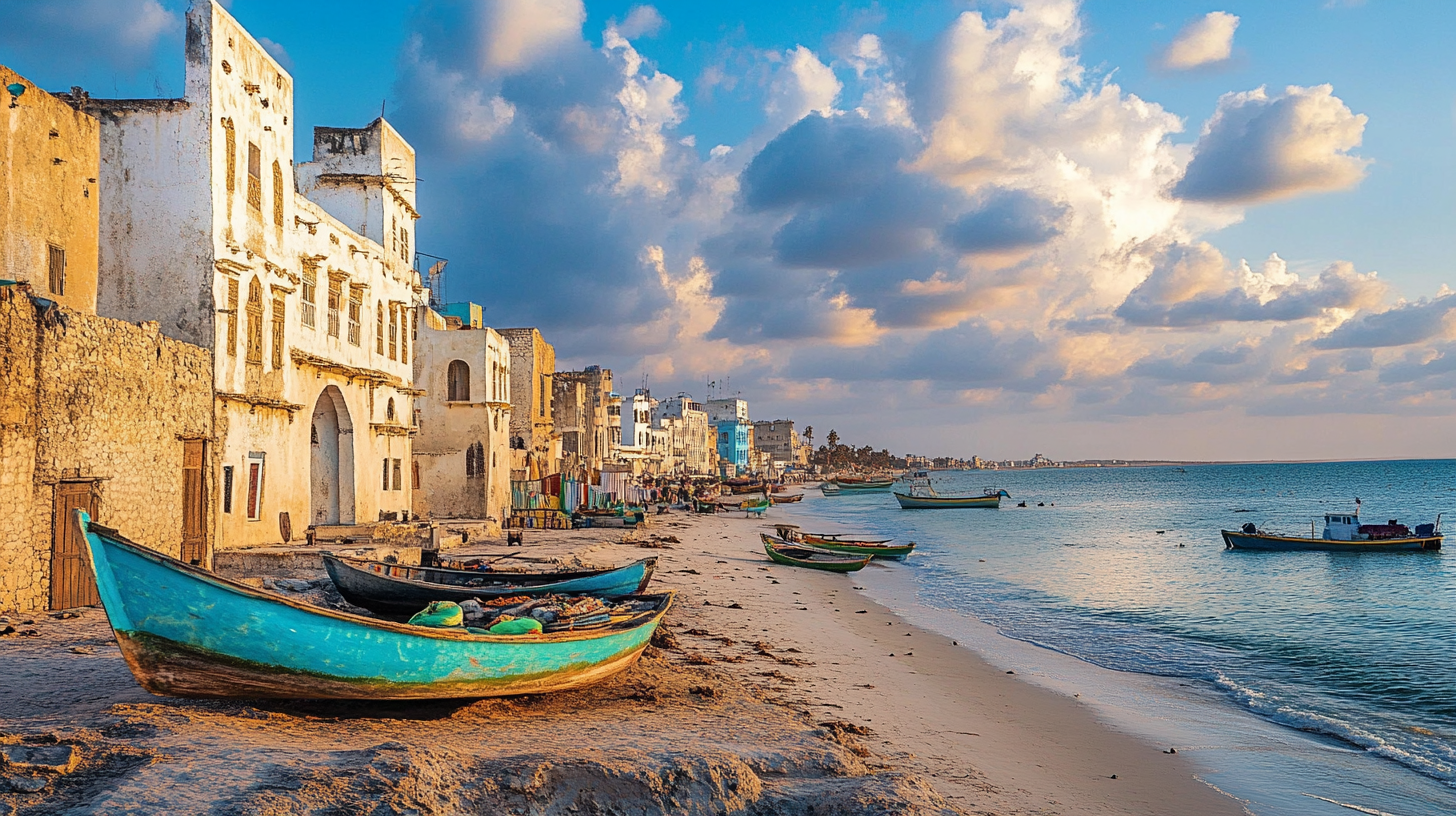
[1297,680]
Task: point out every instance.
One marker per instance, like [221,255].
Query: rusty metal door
[72,583]
[194,507]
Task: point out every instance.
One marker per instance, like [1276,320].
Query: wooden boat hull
[865,487]
[946,502]
[790,556]
[876,550]
[789,499]
[1244,541]
[395,589]
[186,632]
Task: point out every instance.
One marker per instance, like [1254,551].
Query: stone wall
[104,401]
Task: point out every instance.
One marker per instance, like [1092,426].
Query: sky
[1098,229]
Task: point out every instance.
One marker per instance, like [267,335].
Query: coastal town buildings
[462,457]
[96,414]
[300,279]
[698,438]
[778,439]
[581,403]
[535,447]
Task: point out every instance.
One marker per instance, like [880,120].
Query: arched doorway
[331,461]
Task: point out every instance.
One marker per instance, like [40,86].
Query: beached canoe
[879,549]
[786,499]
[794,555]
[396,589]
[186,632]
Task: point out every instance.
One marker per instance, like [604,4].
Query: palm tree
[809,435]
[833,440]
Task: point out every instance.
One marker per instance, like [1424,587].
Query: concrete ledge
[302,562]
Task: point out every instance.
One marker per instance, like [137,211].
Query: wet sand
[773,690]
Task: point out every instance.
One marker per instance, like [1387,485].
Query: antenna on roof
[381,107]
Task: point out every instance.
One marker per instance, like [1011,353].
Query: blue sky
[1045,241]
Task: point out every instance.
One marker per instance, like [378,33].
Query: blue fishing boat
[185,632]
[397,589]
[1343,533]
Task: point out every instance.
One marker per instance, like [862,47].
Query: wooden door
[72,583]
[194,507]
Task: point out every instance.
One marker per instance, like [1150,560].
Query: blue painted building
[733,442]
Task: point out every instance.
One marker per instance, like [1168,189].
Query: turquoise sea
[1299,680]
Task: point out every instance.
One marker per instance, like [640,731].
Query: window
[457,381]
[336,294]
[310,296]
[277,194]
[414,475]
[474,461]
[394,234]
[379,328]
[404,250]
[393,332]
[232,318]
[389,410]
[385,471]
[404,320]
[355,294]
[255,322]
[255,486]
[278,313]
[227,488]
[255,177]
[398,475]
[57,269]
[232,156]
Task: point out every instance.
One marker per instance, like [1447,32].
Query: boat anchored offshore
[923,496]
[1343,533]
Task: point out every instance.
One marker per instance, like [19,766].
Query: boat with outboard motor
[1343,533]
[923,496]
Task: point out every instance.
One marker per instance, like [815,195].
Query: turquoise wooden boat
[188,633]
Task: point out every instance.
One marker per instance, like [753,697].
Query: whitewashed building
[300,278]
[462,455]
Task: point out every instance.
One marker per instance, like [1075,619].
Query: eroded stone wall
[103,401]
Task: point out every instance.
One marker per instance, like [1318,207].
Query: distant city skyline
[1176,230]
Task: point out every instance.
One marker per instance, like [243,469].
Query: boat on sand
[186,632]
[878,548]
[794,555]
[396,589]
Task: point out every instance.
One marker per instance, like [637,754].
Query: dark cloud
[819,160]
[1217,366]
[1259,148]
[1006,220]
[892,220]
[1400,326]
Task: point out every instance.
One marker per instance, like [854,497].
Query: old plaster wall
[112,403]
[533,362]
[22,584]
[449,427]
[49,159]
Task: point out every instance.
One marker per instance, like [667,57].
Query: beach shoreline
[781,681]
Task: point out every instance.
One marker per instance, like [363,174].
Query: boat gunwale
[649,568]
[664,601]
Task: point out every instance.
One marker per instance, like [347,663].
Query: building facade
[779,440]
[581,402]
[535,448]
[734,444]
[722,410]
[49,165]
[462,456]
[699,439]
[300,280]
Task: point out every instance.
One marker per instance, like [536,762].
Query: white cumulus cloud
[1209,40]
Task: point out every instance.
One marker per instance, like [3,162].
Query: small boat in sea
[1343,533]
[923,496]
[186,632]
[863,484]
[829,489]
[396,589]
[794,555]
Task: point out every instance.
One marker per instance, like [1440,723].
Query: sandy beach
[770,690]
